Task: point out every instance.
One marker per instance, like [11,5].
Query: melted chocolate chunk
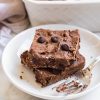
[56,71]
[64,47]
[41,40]
[61,66]
[43,53]
[54,39]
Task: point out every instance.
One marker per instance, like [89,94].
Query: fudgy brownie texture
[50,76]
[52,49]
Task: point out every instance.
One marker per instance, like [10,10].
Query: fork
[79,81]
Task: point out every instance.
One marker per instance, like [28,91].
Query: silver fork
[79,81]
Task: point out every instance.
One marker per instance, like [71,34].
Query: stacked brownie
[54,55]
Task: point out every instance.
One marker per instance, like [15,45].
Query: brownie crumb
[21,77]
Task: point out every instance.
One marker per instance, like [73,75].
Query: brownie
[47,76]
[52,49]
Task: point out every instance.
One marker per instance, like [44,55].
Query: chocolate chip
[54,39]
[65,47]
[43,53]
[41,40]
[64,35]
[21,77]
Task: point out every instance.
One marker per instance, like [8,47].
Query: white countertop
[9,92]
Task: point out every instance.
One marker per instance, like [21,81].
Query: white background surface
[86,15]
[9,92]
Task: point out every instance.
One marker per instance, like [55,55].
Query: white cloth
[13,18]
[5,36]
[13,15]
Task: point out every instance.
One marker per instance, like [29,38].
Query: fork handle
[94,62]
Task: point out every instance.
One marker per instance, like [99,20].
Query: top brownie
[54,49]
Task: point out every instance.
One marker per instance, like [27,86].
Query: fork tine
[94,62]
[69,86]
[73,90]
[69,91]
[76,89]
[80,89]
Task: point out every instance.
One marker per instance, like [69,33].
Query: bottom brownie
[49,76]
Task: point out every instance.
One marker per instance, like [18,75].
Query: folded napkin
[13,18]
[13,15]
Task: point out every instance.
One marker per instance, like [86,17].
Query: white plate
[90,48]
